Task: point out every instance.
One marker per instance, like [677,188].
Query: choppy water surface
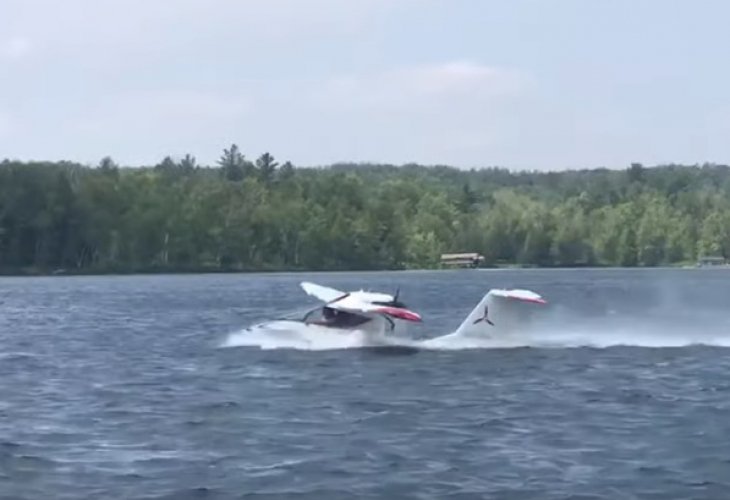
[139,387]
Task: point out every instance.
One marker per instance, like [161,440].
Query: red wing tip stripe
[400,313]
[525,299]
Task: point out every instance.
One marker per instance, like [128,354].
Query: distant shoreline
[244,216]
[35,273]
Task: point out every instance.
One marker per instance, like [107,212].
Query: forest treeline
[263,215]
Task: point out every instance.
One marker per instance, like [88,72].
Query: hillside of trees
[262,215]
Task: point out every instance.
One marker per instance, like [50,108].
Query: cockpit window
[326,316]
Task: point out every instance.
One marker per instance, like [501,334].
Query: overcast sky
[516,83]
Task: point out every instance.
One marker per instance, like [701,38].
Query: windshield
[302,314]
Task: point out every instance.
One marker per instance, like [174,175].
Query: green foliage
[242,215]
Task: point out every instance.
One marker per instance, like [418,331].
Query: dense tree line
[263,215]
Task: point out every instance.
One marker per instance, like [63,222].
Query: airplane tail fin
[500,312]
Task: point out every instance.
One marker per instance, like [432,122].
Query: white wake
[581,334]
[302,337]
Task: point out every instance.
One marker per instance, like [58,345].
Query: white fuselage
[293,333]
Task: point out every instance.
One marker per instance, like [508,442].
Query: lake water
[141,387]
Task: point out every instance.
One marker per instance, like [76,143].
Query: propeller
[396,302]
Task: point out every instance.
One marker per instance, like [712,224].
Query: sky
[521,84]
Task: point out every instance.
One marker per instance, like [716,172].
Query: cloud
[15,48]
[308,81]
[447,112]
[318,81]
[451,112]
[423,87]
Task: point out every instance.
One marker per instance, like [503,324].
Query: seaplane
[365,318]
[356,309]
[343,318]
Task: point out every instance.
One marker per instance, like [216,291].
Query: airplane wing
[358,302]
[323,293]
[373,297]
